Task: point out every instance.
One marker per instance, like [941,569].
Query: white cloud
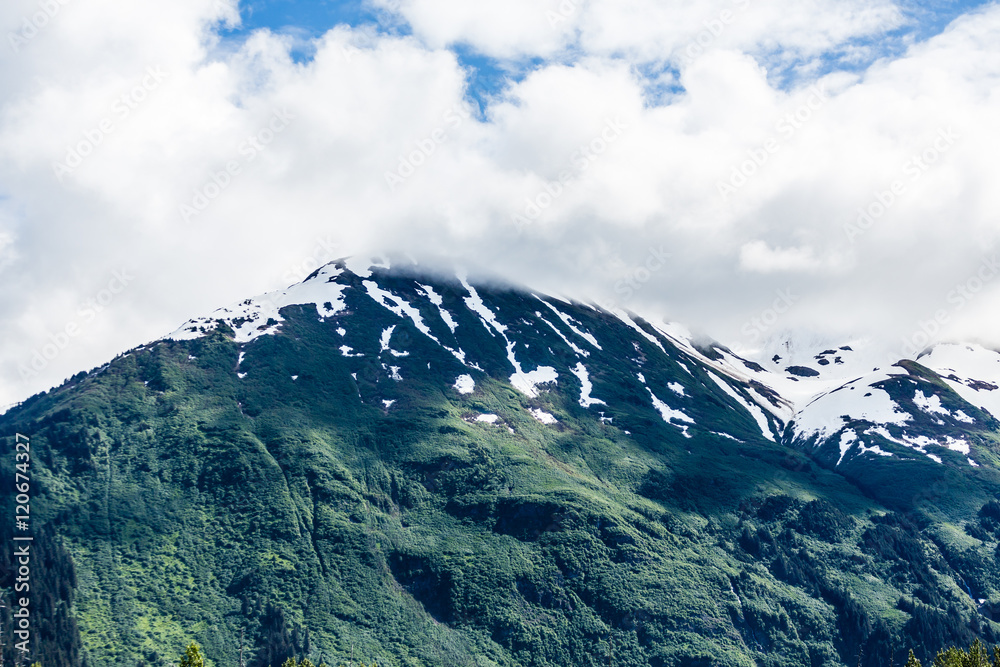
[758,256]
[647,30]
[499,28]
[367,103]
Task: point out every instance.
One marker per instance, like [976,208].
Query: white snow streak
[569,322]
[754,410]
[669,414]
[585,387]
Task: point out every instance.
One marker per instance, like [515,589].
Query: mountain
[384,463]
[855,409]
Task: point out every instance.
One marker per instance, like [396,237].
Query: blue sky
[318,16]
[306,20]
[315,17]
[488,76]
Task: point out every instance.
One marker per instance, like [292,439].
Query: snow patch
[962,417]
[957,445]
[465,384]
[669,414]
[386,336]
[542,416]
[585,387]
[920,443]
[875,449]
[359,266]
[973,371]
[847,440]
[526,383]
[857,401]
[930,404]
[754,410]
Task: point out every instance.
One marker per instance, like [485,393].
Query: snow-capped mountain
[397,325]
[943,405]
[840,404]
[405,460]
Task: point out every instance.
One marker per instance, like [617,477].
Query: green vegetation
[976,656]
[293,506]
[306,662]
[192,657]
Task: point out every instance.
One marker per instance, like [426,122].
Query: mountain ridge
[785,401]
[441,472]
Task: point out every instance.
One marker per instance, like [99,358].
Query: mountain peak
[400,318]
[380,398]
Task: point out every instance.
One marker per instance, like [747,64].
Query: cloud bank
[688,162]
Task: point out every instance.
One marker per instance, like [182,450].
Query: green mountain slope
[307,468]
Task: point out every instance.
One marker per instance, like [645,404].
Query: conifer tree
[192,657]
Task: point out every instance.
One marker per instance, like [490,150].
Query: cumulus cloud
[150,172]
[646,30]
